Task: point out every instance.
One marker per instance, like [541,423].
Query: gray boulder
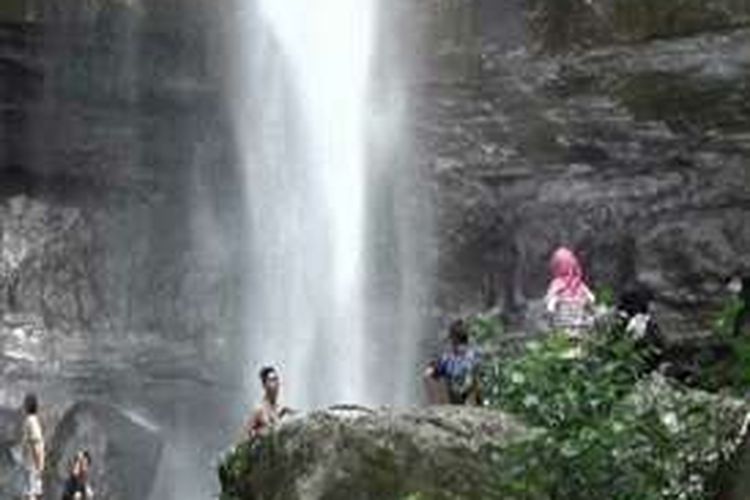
[351,452]
[125,452]
[10,424]
[10,420]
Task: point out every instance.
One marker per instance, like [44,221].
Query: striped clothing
[571,315]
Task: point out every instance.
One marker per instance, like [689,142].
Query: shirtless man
[269,412]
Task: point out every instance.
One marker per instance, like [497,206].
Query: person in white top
[32,443]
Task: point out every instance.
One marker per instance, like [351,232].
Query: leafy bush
[729,366]
[608,431]
[551,385]
[234,471]
[485,329]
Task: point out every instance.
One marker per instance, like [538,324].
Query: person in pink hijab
[569,300]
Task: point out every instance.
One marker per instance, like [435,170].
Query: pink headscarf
[567,276]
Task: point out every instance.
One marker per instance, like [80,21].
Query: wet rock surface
[635,154]
[618,127]
[10,424]
[115,280]
[125,451]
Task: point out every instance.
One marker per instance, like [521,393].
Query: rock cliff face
[117,262]
[620,127]
[617,127]
[126,452]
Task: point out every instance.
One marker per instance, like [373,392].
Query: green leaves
[551,388]
[485,329]
[611,432]
[234,471]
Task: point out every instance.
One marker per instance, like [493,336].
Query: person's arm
[255,424]
[551,298]
[590,298]
[476,375]
[550,303]
[286,412]
[429,372]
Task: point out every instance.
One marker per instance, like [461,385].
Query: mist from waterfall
[305,167]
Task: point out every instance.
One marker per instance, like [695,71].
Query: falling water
[304,155]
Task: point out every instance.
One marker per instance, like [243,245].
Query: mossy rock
[562,25]
[436,453]
[637,20]
[15,11]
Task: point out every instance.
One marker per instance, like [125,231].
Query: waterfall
[305,168]
[305,118]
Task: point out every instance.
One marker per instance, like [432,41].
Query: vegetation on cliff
[612,429]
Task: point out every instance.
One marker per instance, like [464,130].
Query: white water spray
[305,163]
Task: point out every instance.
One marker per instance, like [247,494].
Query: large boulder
[693,443]
[10,425]
[10,422]
[125,451]
[345,453]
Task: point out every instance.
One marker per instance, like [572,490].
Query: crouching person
[77,485]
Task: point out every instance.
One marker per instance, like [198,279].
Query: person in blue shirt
[453,377]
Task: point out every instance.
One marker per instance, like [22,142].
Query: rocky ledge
[459,452]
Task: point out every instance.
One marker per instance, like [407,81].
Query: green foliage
[605,296]
[554,385]
[234,471]
[730,311]
[729,369]
[725,364]
[485,329]
[608,432]
[14,10]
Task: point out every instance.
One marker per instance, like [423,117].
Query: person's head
[458,334]
[636,300]
[269,378]
[564,264]
[85,459]
[80,464]
[567,274]
[30,404]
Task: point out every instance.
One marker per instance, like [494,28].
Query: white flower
[533,345]
[530,400]
[517,378]
[617,427]
[669,420]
